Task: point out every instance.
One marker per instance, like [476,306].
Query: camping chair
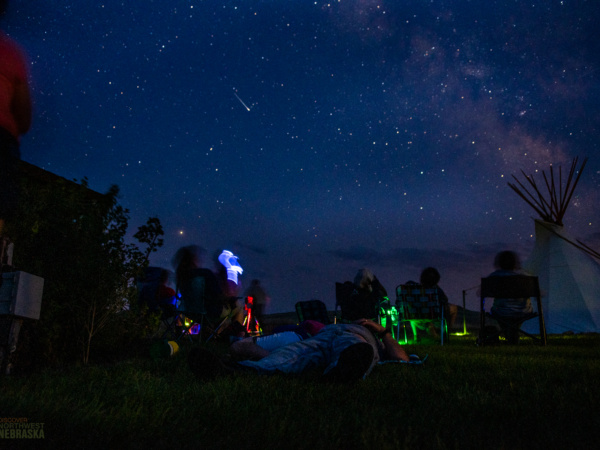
[148,296]
[516,286]
[351,305]
[419,306]
[192,315]
[147,288]
[169,318]
[312,310]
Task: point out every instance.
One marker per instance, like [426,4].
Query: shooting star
[242,102]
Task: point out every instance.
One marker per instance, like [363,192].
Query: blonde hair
[364,278]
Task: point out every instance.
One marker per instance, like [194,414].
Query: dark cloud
[252,248]
[359,255]
[408,256]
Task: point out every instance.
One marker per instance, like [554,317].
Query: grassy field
[463,397]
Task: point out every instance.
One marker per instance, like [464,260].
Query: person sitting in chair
[430,277]
[510,310]
[188,263]
[165,295]
[363,297]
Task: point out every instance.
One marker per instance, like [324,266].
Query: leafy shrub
[75,239]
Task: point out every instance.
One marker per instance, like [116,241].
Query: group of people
[345,352]
[221,288]
[342,352]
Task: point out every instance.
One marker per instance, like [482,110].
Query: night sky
[314,138]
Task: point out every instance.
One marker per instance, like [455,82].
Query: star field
[316,138]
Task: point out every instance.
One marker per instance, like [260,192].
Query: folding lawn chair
[513,287]
[312,310]
[351,305]
[148,288]
[148,296]
[192,314]
[418,307]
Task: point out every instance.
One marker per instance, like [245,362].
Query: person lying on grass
[257,347]
[343,352]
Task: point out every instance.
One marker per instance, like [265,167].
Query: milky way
[313,139]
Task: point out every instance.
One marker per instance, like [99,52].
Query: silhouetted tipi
[569,275]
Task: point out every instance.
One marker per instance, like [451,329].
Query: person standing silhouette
[15,119]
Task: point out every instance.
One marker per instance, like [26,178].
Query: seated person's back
[507,264]
[359,304]
[362,298]
[510,307]
[200,292]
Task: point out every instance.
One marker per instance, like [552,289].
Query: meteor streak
[241,101]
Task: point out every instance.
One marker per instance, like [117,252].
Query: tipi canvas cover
[569,281]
